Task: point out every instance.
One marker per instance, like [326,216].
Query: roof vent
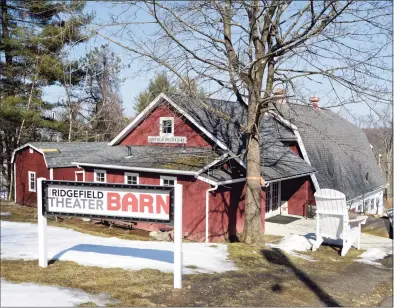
[280,92]
[314,100]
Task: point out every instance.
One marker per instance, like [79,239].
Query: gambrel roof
[338,149]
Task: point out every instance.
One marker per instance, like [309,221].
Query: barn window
[372,204]
[31,151]
[131,178]
[32,181]
[100,176]
[167,181]
[166,126]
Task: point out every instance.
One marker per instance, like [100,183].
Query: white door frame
[275,212]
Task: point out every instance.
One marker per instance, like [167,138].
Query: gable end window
[167,181]
[131,178]
[166,126]
[100,176]
[32,181]
[31,151]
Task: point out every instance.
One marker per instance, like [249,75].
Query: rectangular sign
[166,139]
[115,201]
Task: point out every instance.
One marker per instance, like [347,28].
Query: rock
[153,234]
[163,236]
[189,287]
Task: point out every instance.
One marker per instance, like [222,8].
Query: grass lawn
[265,277]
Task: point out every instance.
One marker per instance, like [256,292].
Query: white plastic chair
[332,220]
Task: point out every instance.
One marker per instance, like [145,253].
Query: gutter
[168,171]
[363,195]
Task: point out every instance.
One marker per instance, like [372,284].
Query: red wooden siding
[293,146]
[225,212]
[65,174]
[26,162]
[151,127]
[297,192]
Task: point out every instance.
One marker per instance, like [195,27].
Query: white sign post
[178,258]
[143,203]
[42,228]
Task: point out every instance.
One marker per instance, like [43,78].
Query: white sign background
[149,204]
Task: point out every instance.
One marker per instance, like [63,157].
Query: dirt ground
[265,277]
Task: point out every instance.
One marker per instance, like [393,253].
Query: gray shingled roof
[161,157]
[338,150]
[67,152]
[223,119]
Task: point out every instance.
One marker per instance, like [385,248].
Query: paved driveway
[308,227]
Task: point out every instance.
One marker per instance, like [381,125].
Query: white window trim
[83,175]
[100,171]
[31,151]
[161,126]
[170,178]
[35,181]
[126,174]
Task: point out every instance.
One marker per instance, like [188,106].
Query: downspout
[207,211]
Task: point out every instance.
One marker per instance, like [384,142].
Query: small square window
[166,126]
[100,176]
[167,181]
[32,181]
[131,178]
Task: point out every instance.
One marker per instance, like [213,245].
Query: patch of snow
[20,241]
[5,214]
[34,295]
[3,195]
[371,255]
[293,243]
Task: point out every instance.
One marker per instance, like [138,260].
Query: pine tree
[34,34]
[160,83]
[102,68]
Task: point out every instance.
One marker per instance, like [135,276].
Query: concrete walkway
[308,227]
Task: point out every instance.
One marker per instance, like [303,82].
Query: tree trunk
[252,228]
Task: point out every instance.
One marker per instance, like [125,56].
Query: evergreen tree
[34,34]
[101,86]
[158,84]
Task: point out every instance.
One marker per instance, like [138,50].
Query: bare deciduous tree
[247,48]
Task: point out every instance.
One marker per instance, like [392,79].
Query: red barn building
[200,144]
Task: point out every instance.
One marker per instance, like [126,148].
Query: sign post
[178,237]
[42,227]
[148,203]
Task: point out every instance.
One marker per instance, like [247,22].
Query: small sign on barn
[148,203]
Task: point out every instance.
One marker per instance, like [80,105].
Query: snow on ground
[371,255]
[293,243]
[5,214]
[34,295]
[20,241]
